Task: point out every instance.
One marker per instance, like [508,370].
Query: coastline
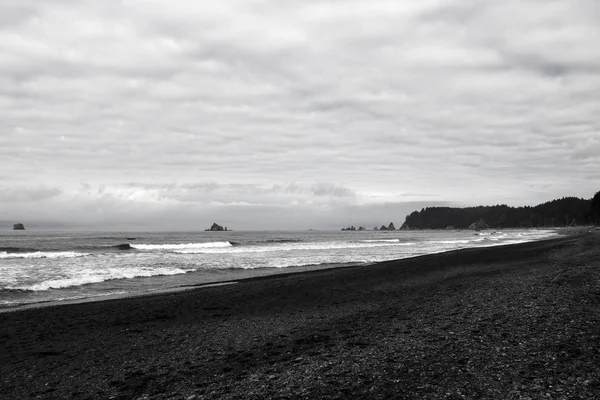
[497,322]
[202,281]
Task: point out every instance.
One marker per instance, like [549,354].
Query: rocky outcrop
[383,228]
[216,227]
[18,227]
[479,225]
[391,227]
[353,228]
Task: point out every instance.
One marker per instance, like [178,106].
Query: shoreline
[511,321]
[289,270]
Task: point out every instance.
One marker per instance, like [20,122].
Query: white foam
[87,277]
[381,240]
[284,247]
[181,246]
[43,254]
[450,241]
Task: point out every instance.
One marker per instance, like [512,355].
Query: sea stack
[216,227]
[18,227]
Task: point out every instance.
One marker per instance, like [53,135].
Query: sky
[278,114]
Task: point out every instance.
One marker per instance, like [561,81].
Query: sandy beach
[509,322]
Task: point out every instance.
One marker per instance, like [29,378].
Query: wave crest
[43,254]
[381,241]
[85,279]
[280,247]
[181,246]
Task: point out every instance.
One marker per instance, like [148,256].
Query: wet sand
[519,321]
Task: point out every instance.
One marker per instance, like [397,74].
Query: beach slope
[519,321]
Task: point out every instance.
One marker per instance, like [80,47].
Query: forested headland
[567,211]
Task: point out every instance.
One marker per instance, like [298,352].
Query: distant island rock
[18,227]
[390,227]
[216,227]
[353,228]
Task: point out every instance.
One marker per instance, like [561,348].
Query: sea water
[38,267]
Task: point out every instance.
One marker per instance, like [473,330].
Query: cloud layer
[262,110]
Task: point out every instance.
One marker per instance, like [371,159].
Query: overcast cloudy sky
[132,114]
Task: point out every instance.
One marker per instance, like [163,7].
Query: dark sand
[520,321]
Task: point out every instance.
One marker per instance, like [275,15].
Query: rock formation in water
[391,227]
[216,227]
[383,228]
[362,228]
[350,228]
[18,227]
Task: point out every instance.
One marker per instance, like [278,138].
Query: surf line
[209,284]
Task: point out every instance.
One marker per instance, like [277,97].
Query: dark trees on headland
[562,212]
[595,208]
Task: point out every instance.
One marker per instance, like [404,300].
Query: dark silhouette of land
[568,211]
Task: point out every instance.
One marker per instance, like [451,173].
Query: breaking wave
[381,241]
[292,246]
[181,246]
[16,250]
[43,254]
[95,277]
[451,241]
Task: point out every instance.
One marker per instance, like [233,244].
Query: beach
[515,321]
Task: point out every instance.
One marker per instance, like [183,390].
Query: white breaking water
[43,254]
[99,265]
[181,246]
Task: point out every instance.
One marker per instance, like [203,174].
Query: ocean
[42,267]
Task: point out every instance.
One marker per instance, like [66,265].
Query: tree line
[567,211]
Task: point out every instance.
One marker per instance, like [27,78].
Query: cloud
[25,194]
[298,104]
